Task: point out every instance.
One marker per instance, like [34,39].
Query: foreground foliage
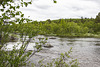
[18,57]
[62,61]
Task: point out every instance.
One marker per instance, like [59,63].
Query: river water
[86,50]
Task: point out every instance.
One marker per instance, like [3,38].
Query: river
[86,50]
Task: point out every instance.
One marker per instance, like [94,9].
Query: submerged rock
[13,38]
[98,44]
[52,38]
[48,46]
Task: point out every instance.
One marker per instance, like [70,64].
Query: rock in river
[48,46]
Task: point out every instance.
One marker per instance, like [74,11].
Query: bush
[18,57]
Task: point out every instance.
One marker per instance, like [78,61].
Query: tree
[97,19]
[8,10]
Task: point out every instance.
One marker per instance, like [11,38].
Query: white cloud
[46,9]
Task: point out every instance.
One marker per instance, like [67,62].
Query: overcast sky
[46,9]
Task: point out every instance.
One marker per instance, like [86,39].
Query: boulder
[13,38]
[52,38]
[48,45]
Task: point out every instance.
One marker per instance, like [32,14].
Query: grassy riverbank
[87,35]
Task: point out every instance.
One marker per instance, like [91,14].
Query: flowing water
[86,50]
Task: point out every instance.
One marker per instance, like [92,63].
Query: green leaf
[22,15]
[13,15]
[29,3]
[22,0]
[55,1]
[25,4]
[22,4]
[18,7]
[17,13]
[3,5]
[2,10]
[13,8]
[18,19]
[62,54]
[8,11]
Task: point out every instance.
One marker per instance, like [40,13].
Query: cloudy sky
[46,9]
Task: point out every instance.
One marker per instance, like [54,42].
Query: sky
[41,10]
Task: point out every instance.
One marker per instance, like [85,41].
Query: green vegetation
[18,57]
[84,27]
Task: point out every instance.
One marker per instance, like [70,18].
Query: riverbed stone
[13,38]
[48,46]
[52,38]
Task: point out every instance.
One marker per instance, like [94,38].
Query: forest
[84,27]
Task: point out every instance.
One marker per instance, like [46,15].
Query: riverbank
[87,35]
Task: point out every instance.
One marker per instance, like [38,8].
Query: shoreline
[74,36]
